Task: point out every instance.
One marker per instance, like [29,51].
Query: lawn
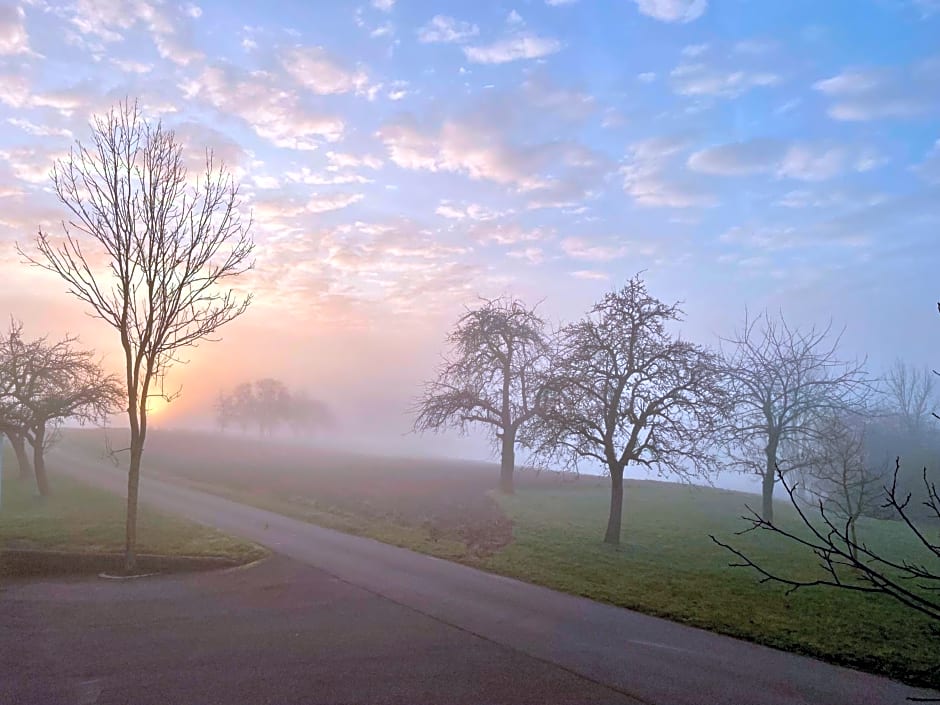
[550,533]
[81,518]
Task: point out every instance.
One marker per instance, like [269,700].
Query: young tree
[783,381]
[624,390]
[149,251]
[498,354]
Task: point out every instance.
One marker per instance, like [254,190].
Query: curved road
[646,659]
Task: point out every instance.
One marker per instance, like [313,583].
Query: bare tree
[498,354]
[148,251]
[49,383]
[269,405]
[850,564]
[910,394]
[624,390]
[841,474]
[783,381]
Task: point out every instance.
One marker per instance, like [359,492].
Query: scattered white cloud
[518,47]
[702,80]
[859,95]
[647,77]
[274,112]
[590,274]
[314,69]
[672,10]
[514,18]
[332,202]
[691,51]
[383,5]
[445,29]
[13,36]
[802,161]
[473,211]
[40,130]
[650,180]
[583,249]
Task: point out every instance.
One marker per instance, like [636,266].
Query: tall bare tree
[148,251]
[783,381]
[490,377]
[624,390]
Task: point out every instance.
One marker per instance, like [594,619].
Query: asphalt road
[634,657]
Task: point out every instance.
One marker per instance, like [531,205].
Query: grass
[667,565]
[81,518]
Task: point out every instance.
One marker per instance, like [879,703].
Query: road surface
[643,658]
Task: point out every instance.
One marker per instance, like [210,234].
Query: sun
[156,406]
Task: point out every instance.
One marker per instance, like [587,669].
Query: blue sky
[401,157]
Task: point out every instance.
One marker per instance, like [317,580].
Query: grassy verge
[82,518]
[669,567]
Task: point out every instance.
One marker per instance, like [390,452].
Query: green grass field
[81,518]
[667,565]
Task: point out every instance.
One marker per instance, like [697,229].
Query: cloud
[465,149]
[13,36]
[647,77]
[859,95]
[474,211]
[315,70]
[273,112]
[383,5]
[332,202]
[590,274]
[444,29]
[672,10]
[169,24]
[583,249]
[802,161]
[520,46]
[648,181]
[738,158]
[701,80]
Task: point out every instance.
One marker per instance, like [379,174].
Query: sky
[401,158]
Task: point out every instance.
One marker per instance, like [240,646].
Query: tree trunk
[770,480]
[39,461]
[22,459]
[507,463]
[616,508]
[133,485]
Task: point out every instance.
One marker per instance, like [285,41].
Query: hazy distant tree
[308,414]
[49,383]
[783,381]
[850,564]
[273,405]
[910,396]
[148,249]
[842,474]
[624,390]
[490,377]
[269,405]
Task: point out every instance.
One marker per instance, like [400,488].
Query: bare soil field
[444,499]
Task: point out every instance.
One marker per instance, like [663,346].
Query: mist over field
[320,321]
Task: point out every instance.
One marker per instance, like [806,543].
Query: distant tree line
[43,383]
[268,406]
